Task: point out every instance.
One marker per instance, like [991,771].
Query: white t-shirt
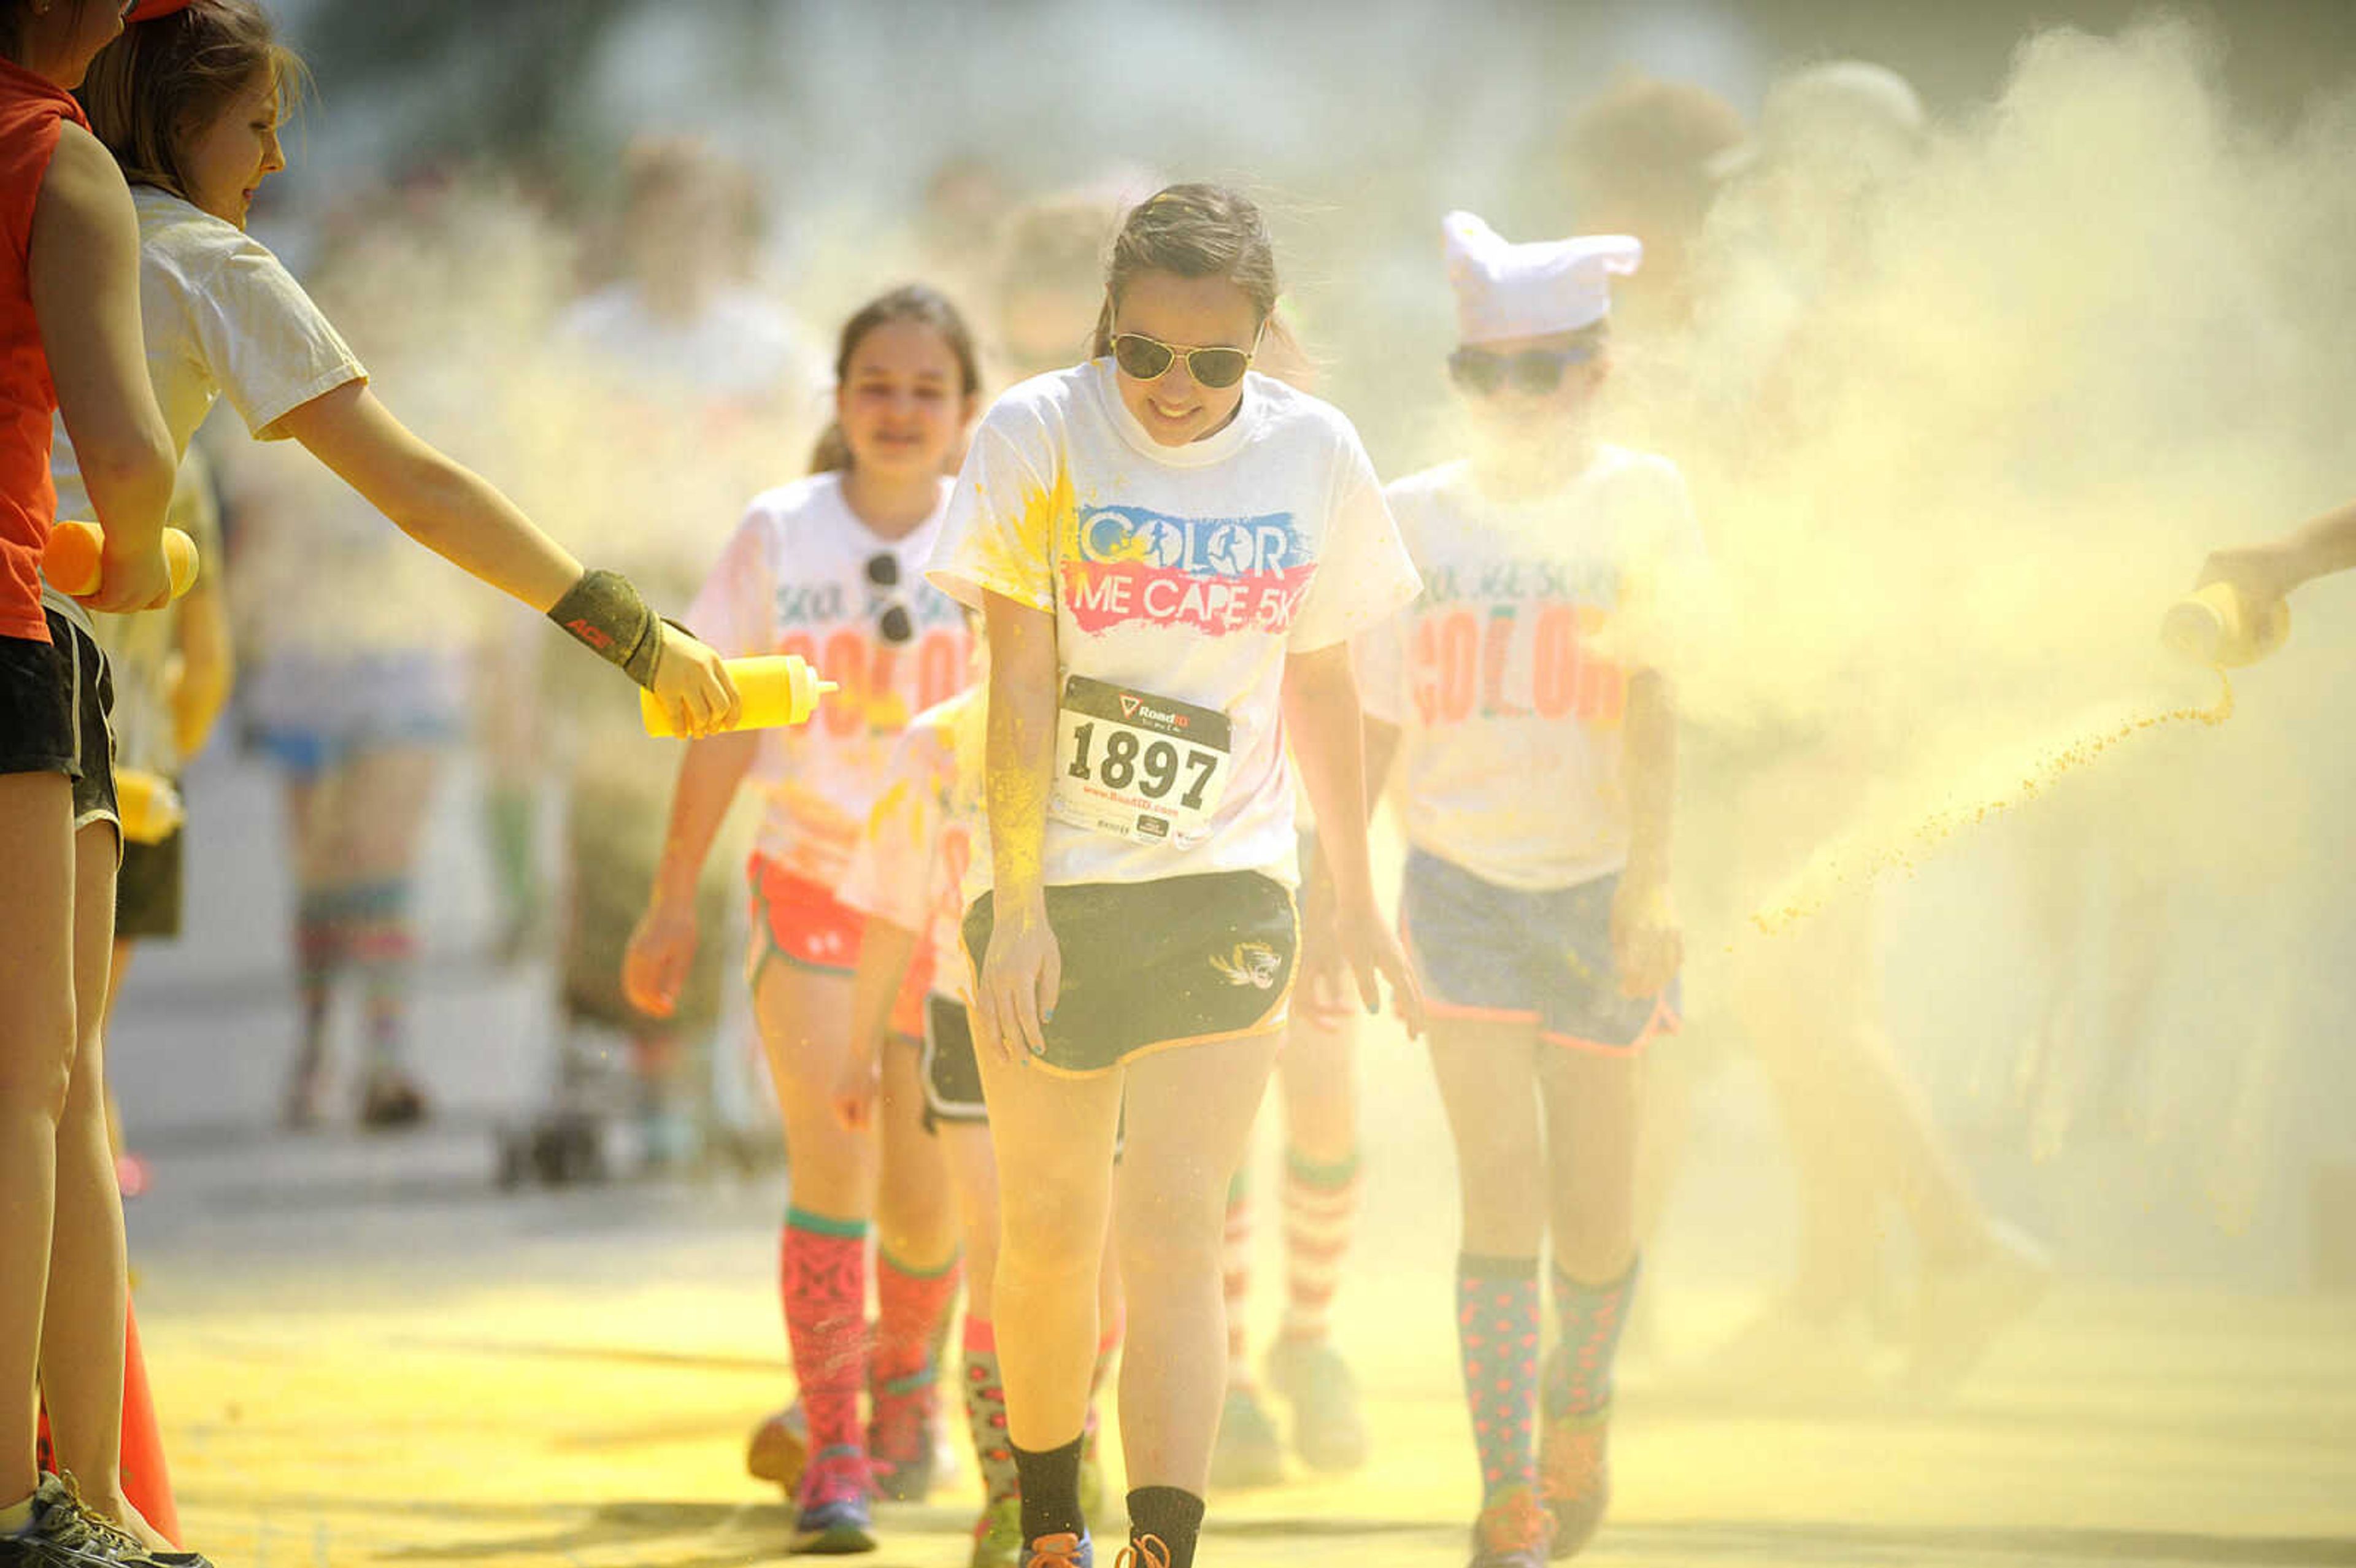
[794,579]
[220,315]
[1185,574]
[140,648]
[1508,678]
[928,828]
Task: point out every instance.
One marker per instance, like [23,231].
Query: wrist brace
[605,615]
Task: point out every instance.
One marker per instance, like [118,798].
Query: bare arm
[207,665]
[663,948]
[83,270]
[2268,571]
[463,517]
[1023,972]
[434,499]
[1321,713]
[1382,743]
[1646,939]
[709,776]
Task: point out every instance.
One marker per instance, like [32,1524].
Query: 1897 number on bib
[1141,767]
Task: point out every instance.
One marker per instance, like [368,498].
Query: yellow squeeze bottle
[148,805]
[774,689]
[2218,627]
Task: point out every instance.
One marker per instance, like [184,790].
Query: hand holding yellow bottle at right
[775,688]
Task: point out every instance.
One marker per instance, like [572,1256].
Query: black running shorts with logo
[55,698]
[1155,965]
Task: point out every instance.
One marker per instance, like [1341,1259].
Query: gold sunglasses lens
[1141,357]
[1218,367]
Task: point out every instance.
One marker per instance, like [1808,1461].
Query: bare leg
[1052,1138]
[973,1181]
[915,1218]
[1592,1124]
[1320,1068]
[805,1019]
[83,1334]
[1489,1086]
[1195,1109]
[37,1047]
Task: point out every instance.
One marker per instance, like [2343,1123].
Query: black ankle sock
[1171,1516]
[1051,1489]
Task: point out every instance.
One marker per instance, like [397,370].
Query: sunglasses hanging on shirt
[894,625]
[1536,371]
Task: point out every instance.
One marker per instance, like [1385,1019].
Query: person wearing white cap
[1539,919]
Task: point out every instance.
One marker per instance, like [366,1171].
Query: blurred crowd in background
[1971,341]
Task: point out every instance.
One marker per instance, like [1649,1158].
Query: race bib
[1138,766]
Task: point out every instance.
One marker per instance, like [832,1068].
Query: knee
[37,1052]
[1164,1242]
[1050,1227]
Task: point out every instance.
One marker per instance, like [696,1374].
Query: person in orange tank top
[70,344]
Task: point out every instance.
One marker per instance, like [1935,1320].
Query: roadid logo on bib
[1216,575]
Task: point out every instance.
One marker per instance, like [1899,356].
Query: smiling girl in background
[830,568]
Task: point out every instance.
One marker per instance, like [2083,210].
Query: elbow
[141,464]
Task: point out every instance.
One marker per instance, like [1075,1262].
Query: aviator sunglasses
[883,573]
[1149,358]
[1537,371]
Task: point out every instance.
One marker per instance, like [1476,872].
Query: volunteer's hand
[131,580]
[2263,575]
[692,686]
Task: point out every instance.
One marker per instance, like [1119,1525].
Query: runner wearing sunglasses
[1169,572]
[828,568]
[1540,922]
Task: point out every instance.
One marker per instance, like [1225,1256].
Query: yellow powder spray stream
[1867,852]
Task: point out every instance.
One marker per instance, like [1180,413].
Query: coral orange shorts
[804,923]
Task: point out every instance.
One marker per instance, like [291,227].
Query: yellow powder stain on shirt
[1014,554]
[1857,857]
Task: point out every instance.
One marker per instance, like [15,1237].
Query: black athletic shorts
[952,1076]
[147,889]
[55,698]
[1153,965]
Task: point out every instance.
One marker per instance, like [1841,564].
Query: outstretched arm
[2268,571]
[463,517]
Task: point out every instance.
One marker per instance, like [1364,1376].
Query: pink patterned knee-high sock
[822,1276]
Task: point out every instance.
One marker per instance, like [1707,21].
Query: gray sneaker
[1248,1452]
[65,1533]
[1329,1430]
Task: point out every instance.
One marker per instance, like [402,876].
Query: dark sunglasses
[1149,358]
[1537,371]
[895,624]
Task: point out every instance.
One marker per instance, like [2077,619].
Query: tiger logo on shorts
[1251,964]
